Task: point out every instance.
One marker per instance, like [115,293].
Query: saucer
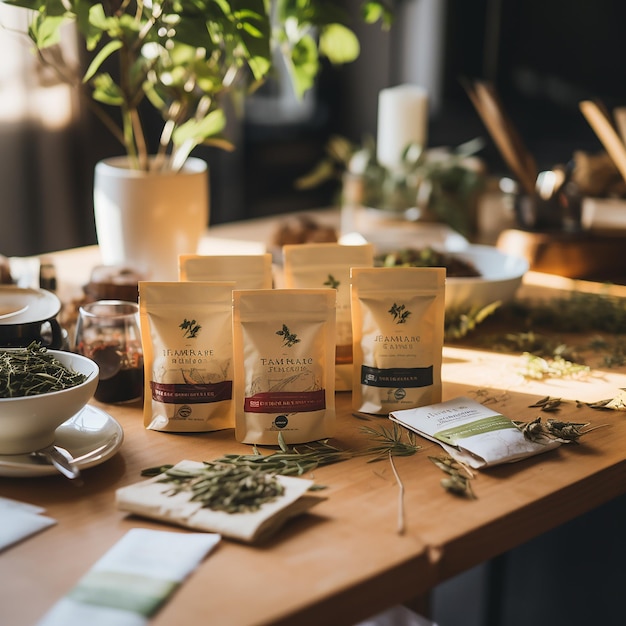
[91,436]
[22,305]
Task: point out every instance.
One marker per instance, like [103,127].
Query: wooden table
[345,560]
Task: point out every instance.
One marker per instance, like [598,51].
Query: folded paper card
[156,499]
[20,520]
[132,580]
[470,432]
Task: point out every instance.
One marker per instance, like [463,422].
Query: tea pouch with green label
[186,333]
[248,271]
[397,326]
[317,265]
[471,433]
[284,348]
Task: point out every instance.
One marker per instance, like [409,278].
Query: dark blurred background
[543,56]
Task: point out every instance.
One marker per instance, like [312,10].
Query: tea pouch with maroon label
[284,349]
[186,333]
[248,271]
[397,325]
[318,265]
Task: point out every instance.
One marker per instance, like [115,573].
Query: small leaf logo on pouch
[400,313]
[190,328]
[331,282]
[289,339]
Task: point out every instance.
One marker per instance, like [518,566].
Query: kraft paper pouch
[317,265]
[471,432]
[186,333]
[284,349]
[397,325]
[247,271]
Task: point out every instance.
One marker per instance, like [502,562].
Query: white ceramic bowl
[29,423]
[500,276]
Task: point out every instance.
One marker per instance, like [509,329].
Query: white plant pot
[145,220]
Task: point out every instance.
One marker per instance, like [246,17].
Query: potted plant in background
[182,59]
[430,185]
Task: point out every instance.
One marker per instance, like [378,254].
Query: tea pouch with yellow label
[317,265]
[186,333]
[248,271]
[397,325]
[284,348]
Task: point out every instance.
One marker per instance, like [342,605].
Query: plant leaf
[339,44]
[100,58]
[199,130]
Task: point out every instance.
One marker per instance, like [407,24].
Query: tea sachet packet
[186,334]
[397,326]
[155,499]
[318,265]
[20,520]
[135,577]
[471,432]
[248,271]
[284,370]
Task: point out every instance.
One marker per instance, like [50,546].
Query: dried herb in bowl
[33,371]
[428,257]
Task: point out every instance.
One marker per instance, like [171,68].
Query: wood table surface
[345,560]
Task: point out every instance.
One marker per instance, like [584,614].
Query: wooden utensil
[503,132]
[606,133]
[619,115]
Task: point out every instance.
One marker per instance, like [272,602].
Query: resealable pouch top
[248,271]
[186,333]
[284,359]
[397,325]
[318,265]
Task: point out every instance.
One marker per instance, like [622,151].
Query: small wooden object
[590,256]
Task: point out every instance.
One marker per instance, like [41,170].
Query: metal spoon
[61,459]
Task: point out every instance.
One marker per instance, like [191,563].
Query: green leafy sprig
[301,459]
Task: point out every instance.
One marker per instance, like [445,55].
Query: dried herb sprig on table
[459,324]
[547,404]
[554,430]
[458,479]
[618,403]
[225,487]
[238,483]
[576,313]
[538,368]
[32,371]
[303,458]
[390,442]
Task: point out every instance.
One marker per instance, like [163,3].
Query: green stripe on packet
[129,592]
[478,427]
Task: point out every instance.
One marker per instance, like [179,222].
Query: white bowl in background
[29,423]
[500,275]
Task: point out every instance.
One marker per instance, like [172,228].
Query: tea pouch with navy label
[317,265]
[284,349]
[397,326]
[248,271]
[186,332]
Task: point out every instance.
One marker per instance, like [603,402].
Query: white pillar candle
[402,120]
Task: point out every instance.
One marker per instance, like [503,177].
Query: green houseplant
[182,57]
